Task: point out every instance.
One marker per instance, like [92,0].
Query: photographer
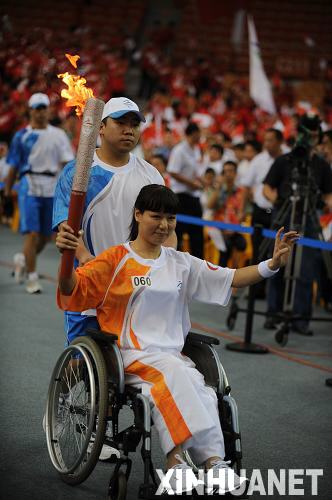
[296,175]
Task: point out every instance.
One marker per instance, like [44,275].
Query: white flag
[260,87]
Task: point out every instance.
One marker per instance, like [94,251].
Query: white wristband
[264,270]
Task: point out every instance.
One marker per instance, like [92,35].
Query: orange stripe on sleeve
[164,400]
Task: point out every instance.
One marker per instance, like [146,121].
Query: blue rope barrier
[268,233]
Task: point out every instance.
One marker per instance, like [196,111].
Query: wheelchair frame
[106,391]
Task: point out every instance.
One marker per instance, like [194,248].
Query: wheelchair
[87,390]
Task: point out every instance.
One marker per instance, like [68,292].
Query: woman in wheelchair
[141,291]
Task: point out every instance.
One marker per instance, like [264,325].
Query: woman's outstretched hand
[282,248]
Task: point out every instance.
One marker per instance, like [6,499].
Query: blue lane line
[268,233]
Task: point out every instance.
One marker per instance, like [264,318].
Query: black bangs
[157,198]
[154,198]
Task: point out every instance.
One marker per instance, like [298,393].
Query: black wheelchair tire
[118,487]
[82,473]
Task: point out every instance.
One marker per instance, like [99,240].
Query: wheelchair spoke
[78,398]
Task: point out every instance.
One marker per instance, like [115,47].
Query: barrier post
[247,345]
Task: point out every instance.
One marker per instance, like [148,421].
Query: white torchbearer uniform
[145,302]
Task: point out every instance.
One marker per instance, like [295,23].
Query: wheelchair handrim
[52,443]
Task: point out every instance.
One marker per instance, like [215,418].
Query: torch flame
[77,93]
[72,59]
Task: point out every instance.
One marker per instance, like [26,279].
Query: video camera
[305,142]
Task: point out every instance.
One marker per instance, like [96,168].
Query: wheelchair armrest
[194,338]
[100,335]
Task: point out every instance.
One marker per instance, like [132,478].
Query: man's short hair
[218,147]
[210,170]
[239,146]
[277,133]
[160,157]
[256,145]
[191,128]
[230,162]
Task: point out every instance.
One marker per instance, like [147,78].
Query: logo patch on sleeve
[212,266]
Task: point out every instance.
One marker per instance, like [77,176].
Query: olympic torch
[88,137]
[81,97]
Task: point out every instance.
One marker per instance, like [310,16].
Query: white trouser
[184,409]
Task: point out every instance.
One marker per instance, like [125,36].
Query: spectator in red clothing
[227,204]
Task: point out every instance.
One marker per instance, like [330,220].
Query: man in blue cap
[116,178]
[36,155]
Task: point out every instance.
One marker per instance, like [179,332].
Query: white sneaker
[229,480]
[106,451]
[33,286]
[19,267]
[179,481]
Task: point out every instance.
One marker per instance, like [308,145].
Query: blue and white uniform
[107,216]
[37,155]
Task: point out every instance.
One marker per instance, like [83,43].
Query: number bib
[138,281]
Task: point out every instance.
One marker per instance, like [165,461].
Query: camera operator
[304,171]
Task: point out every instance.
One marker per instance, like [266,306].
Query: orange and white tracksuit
[145,302]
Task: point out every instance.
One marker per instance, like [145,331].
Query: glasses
[40,106]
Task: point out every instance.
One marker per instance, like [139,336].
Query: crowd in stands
[27,67]
[232,130]
[175,89]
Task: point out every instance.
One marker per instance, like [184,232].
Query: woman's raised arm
[253,274]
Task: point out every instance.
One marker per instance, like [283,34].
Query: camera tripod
[300,213]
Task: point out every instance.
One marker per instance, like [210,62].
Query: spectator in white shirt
[256,173]
[253,184]
[183,167]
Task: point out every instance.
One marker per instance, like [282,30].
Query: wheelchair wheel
[76,410]
[118,487]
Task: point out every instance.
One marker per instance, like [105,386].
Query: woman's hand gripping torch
[88,137]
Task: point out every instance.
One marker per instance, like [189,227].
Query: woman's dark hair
[155,198]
